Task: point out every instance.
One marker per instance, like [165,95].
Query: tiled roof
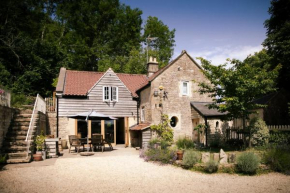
[140,127]
[78,83]
[133,81]
[203,109]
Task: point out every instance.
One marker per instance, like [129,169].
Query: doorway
[120,133]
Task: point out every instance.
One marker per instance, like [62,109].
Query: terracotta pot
[37,157]
[179,155]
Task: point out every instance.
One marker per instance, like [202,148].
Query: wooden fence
[5,97]
[238,133]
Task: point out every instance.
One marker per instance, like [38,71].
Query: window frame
[187,88]
[108,94]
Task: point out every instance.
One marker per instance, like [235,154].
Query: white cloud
[218,55]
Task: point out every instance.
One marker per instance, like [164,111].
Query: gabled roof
[78,83]
[160,71]
[203,109]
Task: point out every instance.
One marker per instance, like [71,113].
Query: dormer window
[185,88]
[110,93]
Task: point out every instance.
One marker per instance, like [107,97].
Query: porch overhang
[140,127]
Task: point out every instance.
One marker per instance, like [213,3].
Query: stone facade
[170,99]
[6,115]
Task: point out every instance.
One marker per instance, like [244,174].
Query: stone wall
[51,123]
[170,101]
[6,115]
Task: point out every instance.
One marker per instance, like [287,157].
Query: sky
[212,29]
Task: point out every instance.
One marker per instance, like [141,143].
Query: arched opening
[173,121]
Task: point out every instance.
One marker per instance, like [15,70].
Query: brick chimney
[152,66]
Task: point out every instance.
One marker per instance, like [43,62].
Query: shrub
[3,158]
[184,143]
[17,100]
[159,142]
[211,166]
[190,158]
[279,137]
[162,155]
[248,163]
[260,132]
[278,159]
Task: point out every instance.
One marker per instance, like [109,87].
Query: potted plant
[40,152]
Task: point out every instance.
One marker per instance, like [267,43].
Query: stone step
[22,128]
[24,111]
[21,123]
[14,143]
[22,119]
[17,133]
[21,155]
[15,138]
[15,149]
[24,115]
[18,161]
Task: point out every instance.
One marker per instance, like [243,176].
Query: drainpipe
[206,127]
[56,117]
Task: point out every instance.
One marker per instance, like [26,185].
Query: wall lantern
[155,93]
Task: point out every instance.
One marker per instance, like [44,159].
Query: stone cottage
[136,100]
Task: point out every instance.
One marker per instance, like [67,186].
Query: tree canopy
[39,37]
[278,39]
[234,89]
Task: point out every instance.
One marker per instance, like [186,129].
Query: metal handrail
[32,119]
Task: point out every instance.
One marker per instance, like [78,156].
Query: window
[173,121]
[142,114]
[185,88]
[110,93]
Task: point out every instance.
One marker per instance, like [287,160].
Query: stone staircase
[14,143]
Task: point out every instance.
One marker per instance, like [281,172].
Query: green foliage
[278,159]
[248,163]
[184,143]
[3,158]
[279,137]
[17,100]
[37,38]
[163,46]
[278,39]
[163,130]
[234,89]
[162,155]
[190,158]
[39,142]
[211,166]
[259,131]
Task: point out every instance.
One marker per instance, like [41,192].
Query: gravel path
[129,173]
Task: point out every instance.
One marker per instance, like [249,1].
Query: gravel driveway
[124,171]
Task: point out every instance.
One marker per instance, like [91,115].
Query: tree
[97,29]
[278,39]
[234,89]
[163,46]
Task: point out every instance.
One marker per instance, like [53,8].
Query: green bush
[248,163]
[184,143]
[162,155]
[158,142]
[211,166]
[260,132]
[279,137]
[3,158]
[190,158]
[278,159]
[17,100]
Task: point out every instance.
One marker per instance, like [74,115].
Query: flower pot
[37,157]
[179,155]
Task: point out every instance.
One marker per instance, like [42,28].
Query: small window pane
[106,93]
[114,93]
[185,88]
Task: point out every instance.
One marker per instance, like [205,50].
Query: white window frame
[116,96]
[110,96]
[142,114]
[187,88]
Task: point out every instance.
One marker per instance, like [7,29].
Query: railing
[5,97]
[279,127]
[39,106]
[50,104]
[238,133]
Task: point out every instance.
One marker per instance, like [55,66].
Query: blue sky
[213,29]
